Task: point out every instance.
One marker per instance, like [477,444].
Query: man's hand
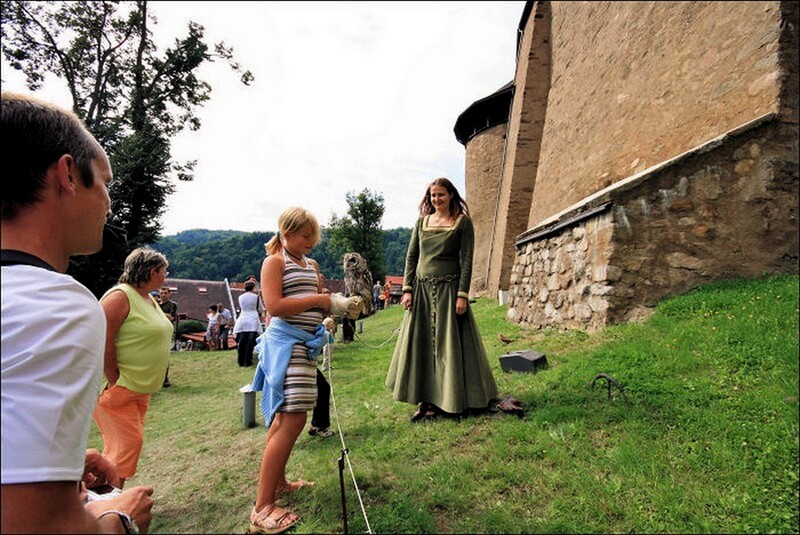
[136,501]
[99,470]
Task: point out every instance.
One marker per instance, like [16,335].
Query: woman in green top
[439,360]
[138,338]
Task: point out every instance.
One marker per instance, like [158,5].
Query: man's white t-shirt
[53,338]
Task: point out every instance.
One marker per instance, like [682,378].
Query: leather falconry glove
[346,306]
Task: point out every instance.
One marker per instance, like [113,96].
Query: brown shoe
[272,519]
[425,411]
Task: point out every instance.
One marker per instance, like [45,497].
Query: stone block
[529,361]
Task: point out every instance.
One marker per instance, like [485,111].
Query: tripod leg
[341,487]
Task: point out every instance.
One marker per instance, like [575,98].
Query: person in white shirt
[225,325]
[248,324]
[55,204]
[212,328]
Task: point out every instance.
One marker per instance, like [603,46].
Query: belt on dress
[441,278]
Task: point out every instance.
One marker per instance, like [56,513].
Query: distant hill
[201,235]
[216,254]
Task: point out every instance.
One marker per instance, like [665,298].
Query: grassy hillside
[705,439]
[217,254]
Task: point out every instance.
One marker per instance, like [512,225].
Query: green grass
[705,440]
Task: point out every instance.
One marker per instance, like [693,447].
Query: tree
[395,247]
[133,99]
[360,230]
[328,257]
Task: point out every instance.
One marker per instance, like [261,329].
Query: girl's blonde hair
[292,221]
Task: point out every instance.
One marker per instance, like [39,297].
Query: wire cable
[346,451]
[394,333]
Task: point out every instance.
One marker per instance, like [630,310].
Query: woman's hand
[461,305]
[116,308]
[405,301]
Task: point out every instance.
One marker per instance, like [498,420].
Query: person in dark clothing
[170,310]
[321,415]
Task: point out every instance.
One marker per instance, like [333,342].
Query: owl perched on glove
[358,279]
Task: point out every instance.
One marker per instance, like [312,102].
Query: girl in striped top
[289,282]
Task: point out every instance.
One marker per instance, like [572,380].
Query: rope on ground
[345,453]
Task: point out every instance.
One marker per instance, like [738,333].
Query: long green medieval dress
[439,357]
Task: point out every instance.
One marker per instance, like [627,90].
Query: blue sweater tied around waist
[274,349]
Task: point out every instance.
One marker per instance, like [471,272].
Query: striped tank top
[299,281]
[300,382]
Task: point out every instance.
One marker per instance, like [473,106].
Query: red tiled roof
[397,284]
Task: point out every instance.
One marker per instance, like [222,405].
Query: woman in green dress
[439,361]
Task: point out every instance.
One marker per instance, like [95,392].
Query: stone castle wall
[651,147]
[484,165]
[633,84]
[728,209]
[521,157]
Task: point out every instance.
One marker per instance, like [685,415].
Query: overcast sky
[347,96]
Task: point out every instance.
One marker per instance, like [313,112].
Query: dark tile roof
[484,113]
[335,286]
[195,296]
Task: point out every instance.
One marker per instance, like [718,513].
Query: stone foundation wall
[562,280]
[728,209]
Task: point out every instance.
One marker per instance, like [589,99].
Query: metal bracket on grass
[610,381]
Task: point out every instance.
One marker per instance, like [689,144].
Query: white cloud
[347,95]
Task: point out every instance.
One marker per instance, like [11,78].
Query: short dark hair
[36,134]
[249,285]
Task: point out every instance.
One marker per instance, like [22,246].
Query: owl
[358,279]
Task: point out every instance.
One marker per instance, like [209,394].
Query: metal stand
[341,487]
[248,407]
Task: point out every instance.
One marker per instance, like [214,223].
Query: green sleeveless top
[143,343]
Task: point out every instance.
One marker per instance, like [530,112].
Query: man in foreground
[55,204]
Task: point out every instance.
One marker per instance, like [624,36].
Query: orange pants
[119,414]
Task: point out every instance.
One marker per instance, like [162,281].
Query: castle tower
[650,147]
[481,128]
